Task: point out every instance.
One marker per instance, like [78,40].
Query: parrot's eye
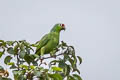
[62,25]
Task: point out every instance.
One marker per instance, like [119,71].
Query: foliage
[26,65]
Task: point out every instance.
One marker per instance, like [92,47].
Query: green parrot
[50,41]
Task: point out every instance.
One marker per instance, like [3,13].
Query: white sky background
[92,26]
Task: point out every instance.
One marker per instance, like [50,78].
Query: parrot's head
[58,27]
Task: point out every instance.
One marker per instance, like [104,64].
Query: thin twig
[41,59]
[18,62]
[52,56]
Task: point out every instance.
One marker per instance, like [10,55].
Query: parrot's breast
[52,44]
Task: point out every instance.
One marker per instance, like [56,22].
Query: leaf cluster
[26,65]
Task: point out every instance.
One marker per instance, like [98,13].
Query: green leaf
[2,43]
[57,69]
[62,64]
[80,59]
[66,57]
[1,53]
[27,45]
[27,50]
[15,72]
[10,50]
[13,66]
[32,67]
[22,47]
[77,77]
[67,69]
[74,58]
[10,43]
[3,78]
[22,54]
[37,73]
[36,56]
[19,72]
[1,68]
[72,63]
[71,78]
[11,63]
[35,63]
[19,75]
[45,70]
[1,40]
[56,76]
[53,62]
[16,48]
[29,58]
[23,66]
[63,43]
[76,70]
[7,59]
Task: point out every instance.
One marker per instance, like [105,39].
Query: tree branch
[18,61]
[41,60]
[53,56]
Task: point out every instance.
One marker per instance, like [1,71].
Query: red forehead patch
[63,25]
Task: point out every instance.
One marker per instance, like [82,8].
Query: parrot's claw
[54,56]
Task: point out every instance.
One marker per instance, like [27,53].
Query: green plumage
[50,41]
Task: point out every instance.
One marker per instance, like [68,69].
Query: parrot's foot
[54,56]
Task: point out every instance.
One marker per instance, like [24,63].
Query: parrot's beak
[64,28]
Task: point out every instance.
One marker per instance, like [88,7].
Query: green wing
[42,43]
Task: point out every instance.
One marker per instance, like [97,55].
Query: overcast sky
[92,26]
